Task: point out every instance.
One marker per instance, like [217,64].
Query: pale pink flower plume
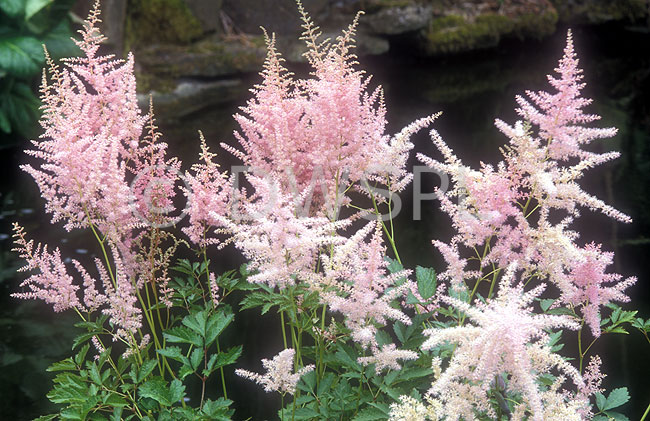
[356,283]
[504,337]
[593,288]
[281,247]
[325,132]
[208,190]
[279,376]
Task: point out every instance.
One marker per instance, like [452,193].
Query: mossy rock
[209,58]
[600,11]
[160,21]
[455,33]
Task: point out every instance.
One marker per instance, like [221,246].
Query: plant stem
[645,414]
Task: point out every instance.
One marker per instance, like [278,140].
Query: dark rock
[279,16]
[208,12]
[481,24]
[210,58]
[192,96]
[113,20]
[600,11]
[292,48]
[398,20]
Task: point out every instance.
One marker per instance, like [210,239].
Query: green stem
[223,377]
[645,414]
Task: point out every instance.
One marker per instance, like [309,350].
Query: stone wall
[186,47]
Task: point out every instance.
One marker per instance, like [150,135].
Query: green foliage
[616,398]
[27,26]
[152,382]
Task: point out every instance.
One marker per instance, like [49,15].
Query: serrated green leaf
[426,280]
[215,325]
[600,400]
[63,365]
[228,357]
[158,390]
[218,410]
[94,374]
[174,353]
[370,414]
[545,304]
[616,398]
[184,335]
[117,414]
[326,383]
[195,358]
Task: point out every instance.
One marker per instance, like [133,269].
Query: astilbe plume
[52,284]
[98,171]
[279,376]
[325,132]
[281,245]
[207,190]
[495,205]
[505,337]
[356,283]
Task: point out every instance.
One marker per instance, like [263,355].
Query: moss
[453,33]
[166,21]
[533,25]
[598,11]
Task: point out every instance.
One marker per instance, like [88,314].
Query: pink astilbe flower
[92,123]
[356,284]
[280,245]
[279,376]
[560,116]
[593,287]
[505,337]
[324,132]
[506,209]
[208,190]
[52,283]
[386,357]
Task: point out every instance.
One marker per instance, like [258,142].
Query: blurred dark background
[198,58]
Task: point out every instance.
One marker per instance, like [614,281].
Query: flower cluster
[279,376]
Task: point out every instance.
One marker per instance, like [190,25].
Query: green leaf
[63,365]
[196,358]
[32,7]
[117,414]
[616,416]
[616,398]
[427,282]
[158,390]
[12,7]
[183,335]
[600,400]
[196,322]
[215,325]
[174,353]
[300,413]
[546,304]
[21,56]
[217,410]
[326,383]
[58,41]
[228,357]
[370,414]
